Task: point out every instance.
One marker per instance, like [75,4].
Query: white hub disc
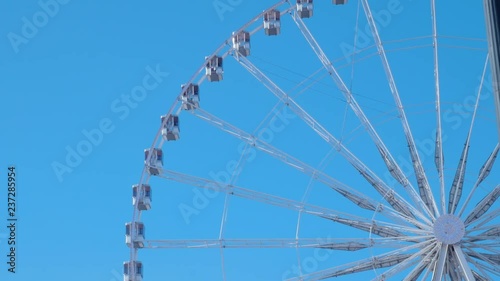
[449,229]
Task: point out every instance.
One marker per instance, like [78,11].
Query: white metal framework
[491,10]
[416,231]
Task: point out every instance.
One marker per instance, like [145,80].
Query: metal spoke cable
[394,199]
[438,155]
[483,206]
[483,271]
[483,174]
[439,269]
[338,244]
[380,261]
[353,195]
[426,259]
[483,261]
[347,219]
[480,224]
[490,246]
[391,164]
[458,181]
[410,261]
[423,184]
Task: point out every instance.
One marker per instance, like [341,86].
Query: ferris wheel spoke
[388,193]
[483,262]
[492,258]
[486,168]
[423,184]
[440,263]
[438,156]
[428,270]
[484,220]
[458,181]
[328,243]
[389,259]
[483,174]
[491,246]
[361,223]
[387,157]
[234,178]
[250,194]
[426,260]
[388,230]
[464,267]
[484,276]
[351,194]
[452,266]
[412,260]
[492,232]
[479,238]
[483,206]
[484,266]
[493,240]
[481,276]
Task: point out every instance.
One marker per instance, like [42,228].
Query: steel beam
[492,16]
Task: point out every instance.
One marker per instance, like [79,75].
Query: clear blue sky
[67,68]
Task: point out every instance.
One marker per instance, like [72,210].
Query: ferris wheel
[339,143]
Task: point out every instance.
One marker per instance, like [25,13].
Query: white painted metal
[458,181]
[492,17]
[464,265]
[388,193]
[338,244]
[439,156]
[414,230]
[423,183]
[391,164]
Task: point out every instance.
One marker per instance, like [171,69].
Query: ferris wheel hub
[449,229]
